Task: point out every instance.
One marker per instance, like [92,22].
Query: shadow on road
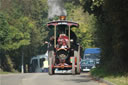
[83,77]
[63,74]
[80,80]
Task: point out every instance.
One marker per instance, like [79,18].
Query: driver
[63,41]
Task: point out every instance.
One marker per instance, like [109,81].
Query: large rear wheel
[51,62]
[73,65]
[77,55]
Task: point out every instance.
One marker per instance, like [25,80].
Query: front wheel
[78,61]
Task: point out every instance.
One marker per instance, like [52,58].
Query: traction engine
[63,51]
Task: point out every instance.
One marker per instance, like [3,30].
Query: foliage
[86,25]
[13,38]
[22,30]
[111,31]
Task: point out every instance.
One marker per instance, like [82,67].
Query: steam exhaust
[56,8]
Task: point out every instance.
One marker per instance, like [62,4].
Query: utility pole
[0,63]
[0,4]
[22,62]
[0,59]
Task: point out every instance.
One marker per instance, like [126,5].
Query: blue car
[92,53]
[90,59]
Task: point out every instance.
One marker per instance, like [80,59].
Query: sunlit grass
[117,79]
[120,80]
[4,72]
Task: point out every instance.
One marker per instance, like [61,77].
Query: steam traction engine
[63,51]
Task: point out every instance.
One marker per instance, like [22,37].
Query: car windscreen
[92,56]
[87,62]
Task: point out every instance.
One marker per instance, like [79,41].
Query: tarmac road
[45,79]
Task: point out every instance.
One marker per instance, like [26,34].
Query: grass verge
[3,72]
[118,79]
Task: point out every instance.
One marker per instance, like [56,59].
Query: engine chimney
[62,17]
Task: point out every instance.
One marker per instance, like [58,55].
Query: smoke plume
[56,8]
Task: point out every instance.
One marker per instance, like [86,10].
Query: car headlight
[94,66]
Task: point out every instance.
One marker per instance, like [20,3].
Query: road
[45,79]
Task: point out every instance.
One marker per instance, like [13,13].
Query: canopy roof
[92,50]
[63,22]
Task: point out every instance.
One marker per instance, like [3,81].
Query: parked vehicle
[92,53]
[87,64]
[90,59]
[39,63]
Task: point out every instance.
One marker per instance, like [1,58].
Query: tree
[22,25]
[86,31]
[111,31]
